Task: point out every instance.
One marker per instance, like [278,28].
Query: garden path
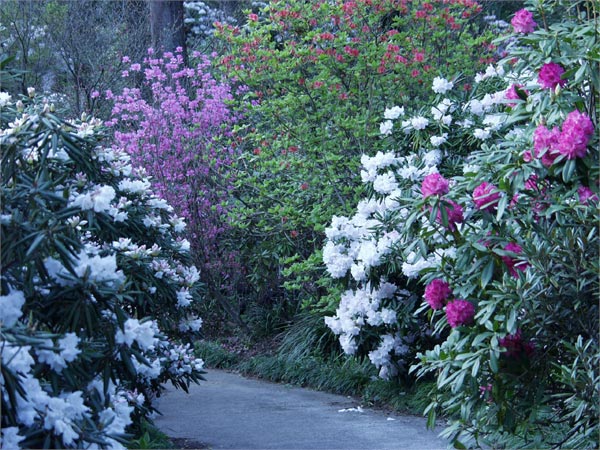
[228,411]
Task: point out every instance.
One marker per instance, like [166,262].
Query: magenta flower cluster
[586,195]
[454,213]
[511,93]
[514,264]
[486,197]
[571,142]
[460,312]
[173,132]
[436,293]
[434,184]
[516,347]
[523,22]
[577,130]
[550,76]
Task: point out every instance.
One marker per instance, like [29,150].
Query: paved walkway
[228,411]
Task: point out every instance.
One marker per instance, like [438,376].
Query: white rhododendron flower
[441,85]
[385,128]
[98,199]
[10,308]
[141,332]
[393,113]
[419,122]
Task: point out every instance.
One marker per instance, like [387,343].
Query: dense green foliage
[315,75]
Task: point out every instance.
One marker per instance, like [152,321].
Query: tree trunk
[167,26]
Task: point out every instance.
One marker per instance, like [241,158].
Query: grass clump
[215,355]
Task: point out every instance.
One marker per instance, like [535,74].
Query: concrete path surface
[228,411]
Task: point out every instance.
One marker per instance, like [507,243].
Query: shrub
[315,72]
[504,241]
[174,126]
[97,294]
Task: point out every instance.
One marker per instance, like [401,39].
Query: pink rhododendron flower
[523,22]
[515,346]
[434,184]
[532,183]
[436,293]
[586,194]
[511,93]
[575,135]
[460,312]
[454,212]
[486,196]
[514,264]
[549,76]
[545,143]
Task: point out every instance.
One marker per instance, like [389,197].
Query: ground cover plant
[98,295]
[314,74]
[499,249]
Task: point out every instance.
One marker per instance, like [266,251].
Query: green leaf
[510,324]
[568,170]
[487,273]
[457,444]
[35,244]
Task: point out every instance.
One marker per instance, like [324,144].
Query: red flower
[515,346]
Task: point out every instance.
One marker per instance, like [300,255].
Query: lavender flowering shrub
[504,242]
[98,295]
[176,126]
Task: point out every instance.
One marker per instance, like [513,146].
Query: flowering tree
[315,72]
[503,240]
[176,132]
[97,296]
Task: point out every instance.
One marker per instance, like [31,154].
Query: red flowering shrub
[316,72]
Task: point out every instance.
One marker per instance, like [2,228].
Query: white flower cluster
[490,72]
[144,333]
[101,269]
[360,307]
[10,308]
[441,85]
[381,356]
[104,268]
[375,235]
[63,415]
[480,115]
